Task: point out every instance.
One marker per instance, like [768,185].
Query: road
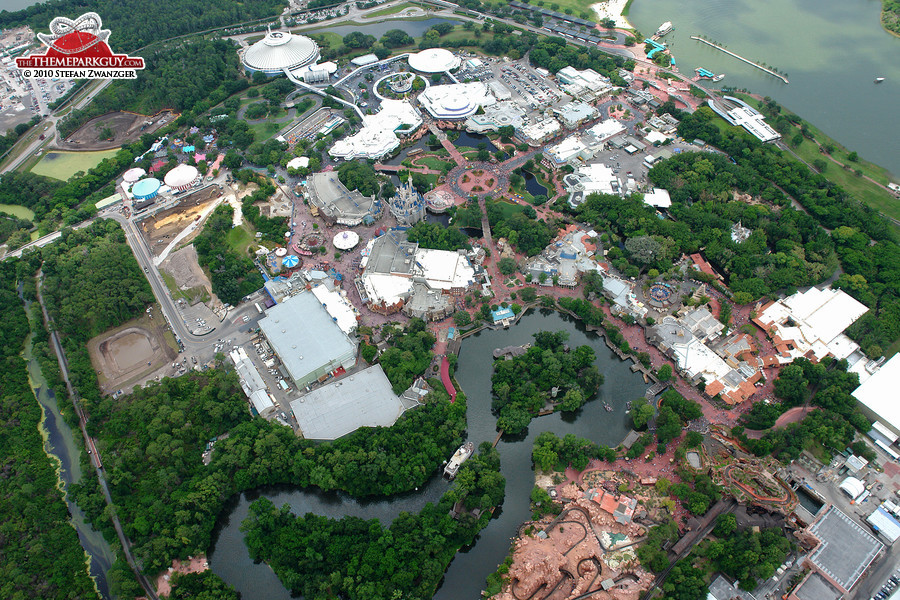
[149,589]
[22,153]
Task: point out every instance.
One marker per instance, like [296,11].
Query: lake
[465,578]
[831,50]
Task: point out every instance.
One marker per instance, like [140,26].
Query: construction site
[159,229]
[120,128]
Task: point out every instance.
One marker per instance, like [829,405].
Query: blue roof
[568,255]
[502,313]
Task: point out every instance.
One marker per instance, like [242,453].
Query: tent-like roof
[433,60]
[280,50]
[852,486]
[181,176]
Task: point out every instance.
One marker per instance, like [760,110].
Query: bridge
[656,48]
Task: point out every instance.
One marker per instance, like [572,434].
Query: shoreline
[617,10]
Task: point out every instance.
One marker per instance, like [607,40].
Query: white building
[379,134]
[338,306]
[811,324]
[456,100]
[495,116]
[252,383]
[740,114]
[878,396]
[594,178]
[569,151]
[658,198]
[585,85]
[574,114]
[537,133]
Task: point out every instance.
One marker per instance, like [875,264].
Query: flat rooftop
[845,550]
[817,587]
[363,399]
[305,337]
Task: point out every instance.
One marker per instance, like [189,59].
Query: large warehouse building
[307,340]
[336,203]
[456,100]
[877,396]
[363,399]
[278,51]
[380,134]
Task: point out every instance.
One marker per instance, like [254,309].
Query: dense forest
[829,430]
[747,556]
[871,271]
[186,77]
[271,228]
[528,236]
[409,353]
[787,248]
[551,453]
[42,557]
[92,283]
[233,276]
[356,559]
[438,237]
[169,501]
[135,23]
[524,385]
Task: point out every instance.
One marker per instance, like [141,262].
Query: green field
[388,11]
[239,239]
[62,165]
[17,211]
[508,209]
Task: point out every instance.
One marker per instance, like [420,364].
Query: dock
[741,58]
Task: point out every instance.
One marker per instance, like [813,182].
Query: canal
[60,445]
[466,575]
[832,50]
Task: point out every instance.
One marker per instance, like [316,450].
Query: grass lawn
[509,209]
[435,163]
[20,212]
[388,11]
[239,239]
[265,129]
[577,6]
[62,165]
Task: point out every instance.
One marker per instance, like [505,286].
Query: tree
[643,249]
[507,265]
[665,372]
[820,164]
[641,413]
[396,38]
[853,156]
[357,39]
[232,160]
[462,318]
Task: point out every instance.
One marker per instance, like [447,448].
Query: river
[60,445]
[832,50]
[466,575]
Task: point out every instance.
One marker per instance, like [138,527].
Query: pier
[741,58]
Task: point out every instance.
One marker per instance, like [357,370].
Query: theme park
[461,303]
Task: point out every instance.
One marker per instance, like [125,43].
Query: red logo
[79,44]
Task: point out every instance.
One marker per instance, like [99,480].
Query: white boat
[719,77]
[459,457]
[879,79]
[665,28]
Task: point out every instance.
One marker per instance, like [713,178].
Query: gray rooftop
[363,399]
[392,253]
[817,587]
[720,589]
[846,549]
[305,336]
[330,195]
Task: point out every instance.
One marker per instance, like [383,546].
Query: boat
[879,79]
[607,407]
[461,455]
[665,28]
[719,77]
[628,405]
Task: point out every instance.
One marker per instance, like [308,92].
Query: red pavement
[445,379]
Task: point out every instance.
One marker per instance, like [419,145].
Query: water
[466,575]
[443,219]
[531,184]
[60,444]
[473,140]
[831,50]
[413,28]
[807,501]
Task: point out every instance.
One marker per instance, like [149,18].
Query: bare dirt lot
[126,127]
[128,354]
[183,267]
[162,227]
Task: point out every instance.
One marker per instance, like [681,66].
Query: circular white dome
[433,60]
[181,176]
[346,240]
[132,175]
[280,50]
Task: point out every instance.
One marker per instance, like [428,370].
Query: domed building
[280,50]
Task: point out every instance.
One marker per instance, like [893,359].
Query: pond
[473,140]
[466,575]
[532,185]
[413,28]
